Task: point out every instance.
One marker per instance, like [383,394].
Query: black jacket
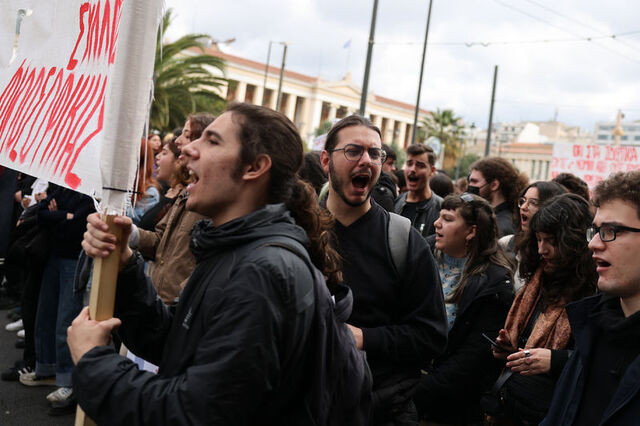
[425,215]
[504,216]
[450,391]
[238,348]
[623,407]
[65,234]
[384,192]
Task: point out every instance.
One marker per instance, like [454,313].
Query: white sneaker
[31,379]
[20,334]
[60,394]
[14,326]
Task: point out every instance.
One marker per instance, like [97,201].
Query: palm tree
[447,127]
[184,82]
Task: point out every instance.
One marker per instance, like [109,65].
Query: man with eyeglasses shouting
[601,381]
[398,314]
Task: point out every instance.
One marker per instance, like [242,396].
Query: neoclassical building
[309,101]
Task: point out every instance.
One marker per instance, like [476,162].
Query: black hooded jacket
[238,348]
[451,391]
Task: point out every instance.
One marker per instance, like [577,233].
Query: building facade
[309,101]
[604,132]
[528,145]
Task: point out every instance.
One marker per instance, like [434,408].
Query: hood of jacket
[270,221]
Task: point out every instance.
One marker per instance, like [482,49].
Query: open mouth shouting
[601,265]
[194,180]
[360,182]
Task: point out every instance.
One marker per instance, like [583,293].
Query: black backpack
[340,379]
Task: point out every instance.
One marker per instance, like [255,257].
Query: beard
[337,184]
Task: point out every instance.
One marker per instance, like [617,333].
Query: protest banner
[593,163]
[75,90]
[75,87]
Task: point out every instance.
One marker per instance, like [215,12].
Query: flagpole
[348,57]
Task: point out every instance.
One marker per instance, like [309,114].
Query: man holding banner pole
[242,345]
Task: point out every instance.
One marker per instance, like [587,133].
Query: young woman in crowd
[170,169]
[167,244]
[531,199]
[558,269]
[146,195]
[476,280]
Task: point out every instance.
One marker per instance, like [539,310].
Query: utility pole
[284,60]
[493,99]
[266,72]
[424,52]
[365,83]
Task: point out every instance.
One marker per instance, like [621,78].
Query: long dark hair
[264,131]
[546,191]
[483,249]
[574,275]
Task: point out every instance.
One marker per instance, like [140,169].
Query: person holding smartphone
[478,289]
[557,267]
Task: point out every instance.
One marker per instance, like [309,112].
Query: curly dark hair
[574,275]
[483,248]
[511,180]
[623,186]
[265,131]
[573,183]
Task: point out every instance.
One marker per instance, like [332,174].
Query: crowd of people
[270,286]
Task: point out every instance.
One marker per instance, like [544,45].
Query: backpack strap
[398,234]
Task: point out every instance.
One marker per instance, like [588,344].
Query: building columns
[241,91]
[290,109]
[333,109]
[402,128]
[258,93]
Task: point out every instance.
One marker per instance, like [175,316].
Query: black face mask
[475,190]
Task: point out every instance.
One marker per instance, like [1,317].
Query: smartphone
[498,345]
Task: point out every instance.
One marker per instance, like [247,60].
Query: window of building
[603,137]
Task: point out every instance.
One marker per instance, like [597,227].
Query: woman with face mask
[531,200]
[557,267]
[478,290]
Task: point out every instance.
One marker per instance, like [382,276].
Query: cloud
[585,81]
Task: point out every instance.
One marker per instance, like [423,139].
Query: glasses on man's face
[533,202]
[354,153]
[607,231]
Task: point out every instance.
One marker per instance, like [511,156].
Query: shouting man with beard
[419,204]
[398,314]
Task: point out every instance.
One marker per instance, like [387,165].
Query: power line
[591,27]
[508,6]
[506,42]
[599,107]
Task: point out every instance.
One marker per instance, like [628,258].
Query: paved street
[22,405]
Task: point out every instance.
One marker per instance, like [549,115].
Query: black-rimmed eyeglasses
[354,153]
[607,231]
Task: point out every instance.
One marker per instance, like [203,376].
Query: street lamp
[266,70]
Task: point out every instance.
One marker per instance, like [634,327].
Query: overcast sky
[583,81]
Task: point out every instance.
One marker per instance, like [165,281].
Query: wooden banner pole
[103,293]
